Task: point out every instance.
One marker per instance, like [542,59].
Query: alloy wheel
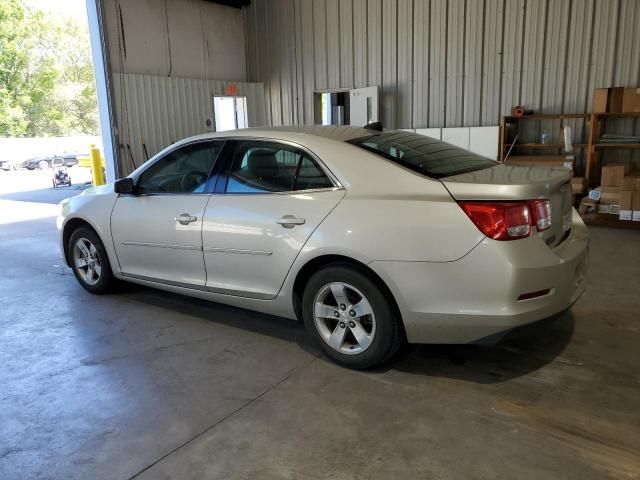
[87,261]
[344,318]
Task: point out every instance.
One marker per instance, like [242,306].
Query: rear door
[268,201]
[157,232]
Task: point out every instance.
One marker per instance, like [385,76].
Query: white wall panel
[430,132]
[484,141]
[458,136]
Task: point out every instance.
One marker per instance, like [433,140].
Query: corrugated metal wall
[443,63]
[161,110]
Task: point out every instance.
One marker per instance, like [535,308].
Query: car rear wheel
[350,316]
[89,261]
[43,165]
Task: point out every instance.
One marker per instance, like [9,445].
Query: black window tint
[268,167]
[424,155]
[184,170]
[310,176]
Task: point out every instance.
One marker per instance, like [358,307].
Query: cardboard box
[631,100]
[626,198]
[635,206]
[600,100]
[625,215]
[610,195]
[613,174]
[631,181]
[608,99]
[587,205]
[578,185]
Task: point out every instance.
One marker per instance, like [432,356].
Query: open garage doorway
[48,105]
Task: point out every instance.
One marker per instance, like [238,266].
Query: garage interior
[146,384]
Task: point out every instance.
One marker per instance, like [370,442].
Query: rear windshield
[423,155]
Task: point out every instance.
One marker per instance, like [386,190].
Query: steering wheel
[191,180]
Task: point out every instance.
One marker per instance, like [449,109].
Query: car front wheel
[89,261]
[350,316]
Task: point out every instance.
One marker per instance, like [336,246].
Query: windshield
[423,155]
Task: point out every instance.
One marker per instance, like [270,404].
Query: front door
[157,232]
[272,198]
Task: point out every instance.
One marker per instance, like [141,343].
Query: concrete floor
[148,385]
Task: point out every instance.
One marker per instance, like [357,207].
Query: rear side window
[423,155]
[270,167]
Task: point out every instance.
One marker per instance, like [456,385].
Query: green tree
[46,75]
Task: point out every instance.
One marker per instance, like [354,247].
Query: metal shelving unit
[597,125]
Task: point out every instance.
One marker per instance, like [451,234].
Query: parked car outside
[45,162]
[69,158]
[372,238]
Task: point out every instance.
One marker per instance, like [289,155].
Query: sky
[69,8]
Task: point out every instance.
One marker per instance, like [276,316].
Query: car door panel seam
[162,245]
[237,251]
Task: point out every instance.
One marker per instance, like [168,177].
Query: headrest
[262,163]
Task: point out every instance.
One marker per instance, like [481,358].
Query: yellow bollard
[96,166]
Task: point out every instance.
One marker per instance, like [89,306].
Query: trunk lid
[510,182]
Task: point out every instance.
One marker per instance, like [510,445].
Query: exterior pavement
[145,384]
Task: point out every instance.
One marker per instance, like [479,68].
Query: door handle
[289,221]
[185,219]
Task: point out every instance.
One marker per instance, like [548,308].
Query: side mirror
[124,185]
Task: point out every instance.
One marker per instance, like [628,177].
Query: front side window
[184,170]
[422,154]
[270,167]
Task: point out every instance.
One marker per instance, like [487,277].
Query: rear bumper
[477,296]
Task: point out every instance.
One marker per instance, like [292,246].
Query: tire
[43,165]
[95,280]
[380,331]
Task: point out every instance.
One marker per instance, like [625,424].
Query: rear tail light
[542,213]
[509,220]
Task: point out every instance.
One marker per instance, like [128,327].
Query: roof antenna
[509,152]
[374,126]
